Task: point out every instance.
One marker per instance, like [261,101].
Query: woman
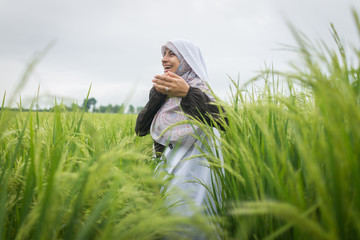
[181,89]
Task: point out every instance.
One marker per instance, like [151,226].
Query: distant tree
[115,109]
[118,108]
[102,109]
[90,102]
[68,108]
[108,108]
[131,109]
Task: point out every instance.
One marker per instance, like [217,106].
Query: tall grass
[292,151]
[73,176]
[291,164]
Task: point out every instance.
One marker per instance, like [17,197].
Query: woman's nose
[165,58]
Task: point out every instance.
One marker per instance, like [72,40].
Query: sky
[114,46]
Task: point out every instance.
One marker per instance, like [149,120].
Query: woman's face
[170,61]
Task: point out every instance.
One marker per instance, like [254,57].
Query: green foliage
[70,175]
[291,164]
[292,153]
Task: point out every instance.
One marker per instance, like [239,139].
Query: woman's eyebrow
[168,51]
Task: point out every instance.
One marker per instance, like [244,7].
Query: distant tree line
[89,105]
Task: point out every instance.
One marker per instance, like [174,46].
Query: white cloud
[116,44]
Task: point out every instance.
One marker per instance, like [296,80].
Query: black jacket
[196,103]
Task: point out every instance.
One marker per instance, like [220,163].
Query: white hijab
[193,71]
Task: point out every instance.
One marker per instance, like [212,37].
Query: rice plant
[71,175]
[291,163]
[292,150]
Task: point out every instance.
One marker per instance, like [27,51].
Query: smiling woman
[173,95]
[170,61]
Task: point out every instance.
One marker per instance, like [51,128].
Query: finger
[171,74]
[157,88]
[163,77]
[162,89]
[159,82]
[160,86]
[160,77]
[165,90]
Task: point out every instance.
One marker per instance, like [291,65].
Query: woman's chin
[168,70]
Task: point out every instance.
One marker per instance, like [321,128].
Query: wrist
[157,94]
[186,92]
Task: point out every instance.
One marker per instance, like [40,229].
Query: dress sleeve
[145,117]
[198,105]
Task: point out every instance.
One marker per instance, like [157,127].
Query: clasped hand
[171,84]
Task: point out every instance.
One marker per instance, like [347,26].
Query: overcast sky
[115,45]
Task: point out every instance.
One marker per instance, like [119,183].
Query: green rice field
[291,166]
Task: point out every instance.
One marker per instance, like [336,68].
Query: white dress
[189,172]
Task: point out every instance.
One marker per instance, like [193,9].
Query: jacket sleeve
[145,117]
[198,105]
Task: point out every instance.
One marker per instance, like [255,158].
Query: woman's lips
[167,68]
